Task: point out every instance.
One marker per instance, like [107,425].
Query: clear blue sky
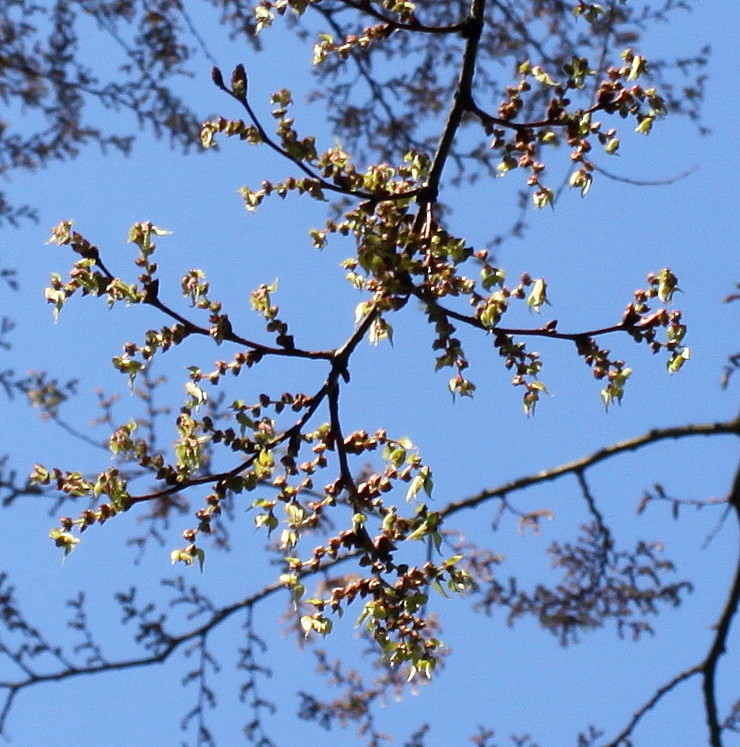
[593,252]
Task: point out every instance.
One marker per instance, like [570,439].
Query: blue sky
[593,252]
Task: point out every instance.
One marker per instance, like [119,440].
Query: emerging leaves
[400,250]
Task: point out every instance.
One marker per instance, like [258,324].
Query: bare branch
[632,444]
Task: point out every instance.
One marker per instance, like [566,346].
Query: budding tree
[425,98]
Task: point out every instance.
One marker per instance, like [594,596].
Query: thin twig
[414,25]
[382,196]
[645,182]
[659,693]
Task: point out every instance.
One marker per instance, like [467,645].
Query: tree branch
[632,444]
[414,25]
[171,643]
[659,693]
[460,103]
[708,667]
[241,98]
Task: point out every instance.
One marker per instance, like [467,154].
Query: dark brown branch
[340,368]
[591,501]
[632,444]
[708,667]
[645,182]
[461,101]
[320,181]
[231,336]
[345,472]
[365,7]
[578,466]
[722,628]
[172,644]
[490,121]
[606,540]
[340,361]
[152,299]
[544,331]
[659,693]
